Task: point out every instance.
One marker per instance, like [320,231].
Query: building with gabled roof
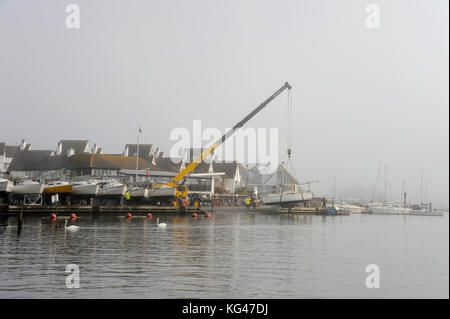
[232,179]
[102,165]
[146,151]
[34,163]
[73,147]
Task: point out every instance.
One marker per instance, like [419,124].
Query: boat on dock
[162,191]
[57,187]
[139,192]
[28,187]
[112,189]
[84,188]
[284,198]
[6,186]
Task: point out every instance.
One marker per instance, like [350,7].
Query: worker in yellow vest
[247,202]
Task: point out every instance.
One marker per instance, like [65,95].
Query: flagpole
[137,155]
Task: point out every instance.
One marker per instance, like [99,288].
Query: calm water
[230,255]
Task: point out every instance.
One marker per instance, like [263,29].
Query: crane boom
[190,168]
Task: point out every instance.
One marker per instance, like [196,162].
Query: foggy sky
[360,96]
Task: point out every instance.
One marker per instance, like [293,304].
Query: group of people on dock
[250,201]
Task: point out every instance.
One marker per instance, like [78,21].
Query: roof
[10,151]
[229,168]
[79,146]
[167,164]
[145,150]
[201,168]
[116,162]
[34,160]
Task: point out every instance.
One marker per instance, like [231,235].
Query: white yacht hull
[85,190]
[28,189]
[139,192]
[162,192]
[113,191]
[286,198]
[390,210]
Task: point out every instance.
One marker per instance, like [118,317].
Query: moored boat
[290,197]
[28,187]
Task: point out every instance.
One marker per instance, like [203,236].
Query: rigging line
[290,120]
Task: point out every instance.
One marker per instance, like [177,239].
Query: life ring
[185,202]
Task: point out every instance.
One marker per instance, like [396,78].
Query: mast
[421,186]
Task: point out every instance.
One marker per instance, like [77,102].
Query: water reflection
[228,255]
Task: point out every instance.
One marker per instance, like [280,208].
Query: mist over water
[229,255]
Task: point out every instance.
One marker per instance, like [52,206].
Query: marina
[211,151]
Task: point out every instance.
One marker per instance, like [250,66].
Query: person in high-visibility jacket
[127,195]
[247,202]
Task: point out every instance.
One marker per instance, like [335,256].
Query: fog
[360,96]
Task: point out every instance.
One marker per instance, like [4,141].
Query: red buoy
[73,216]
[53,216]
[149,215]
[194,215]
[207,215]
[129,215]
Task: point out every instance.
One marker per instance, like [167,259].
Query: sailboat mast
[421,187]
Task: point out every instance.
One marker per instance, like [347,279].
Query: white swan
[162,225]
[71,227]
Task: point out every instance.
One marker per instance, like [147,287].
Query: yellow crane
[177,182]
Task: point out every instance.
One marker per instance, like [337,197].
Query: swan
[71,227]
[160,224]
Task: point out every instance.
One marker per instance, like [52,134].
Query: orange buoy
[194,215]
[129,215]
[185,202]
[73,216]
[207,215]
[53,216]
[149,215]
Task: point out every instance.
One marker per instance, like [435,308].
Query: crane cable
[290,166]
[289,124]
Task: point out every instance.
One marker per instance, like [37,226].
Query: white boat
[162,191]
[353,209]
[138,192]
[111,189]
[287,197]
[390,210]
[57,187]
[85,188]
[6,186]
[28,187]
